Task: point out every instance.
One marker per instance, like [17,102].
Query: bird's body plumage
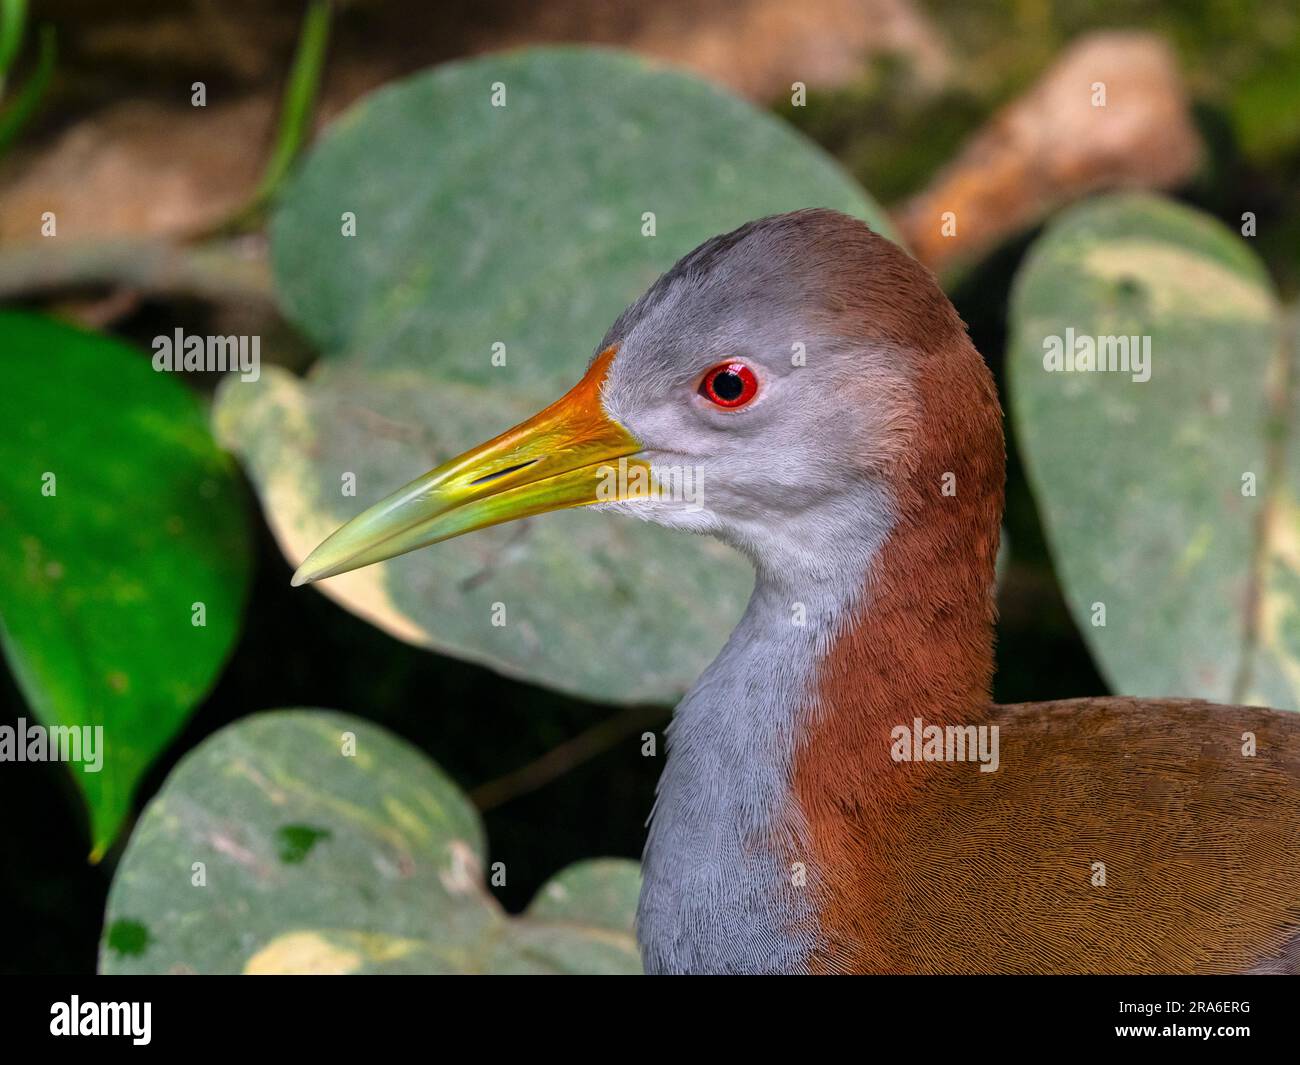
[1117,836]
[840,794]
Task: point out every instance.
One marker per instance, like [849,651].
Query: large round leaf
[117,516]
[311,841]
[520,225]
[1154,493]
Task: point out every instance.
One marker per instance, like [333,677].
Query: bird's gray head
[780,386]
[775,370]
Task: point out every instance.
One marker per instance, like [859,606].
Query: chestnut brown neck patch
[920,642]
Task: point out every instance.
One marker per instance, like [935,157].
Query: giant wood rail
[799,825]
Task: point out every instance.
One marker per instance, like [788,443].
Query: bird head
[774,388]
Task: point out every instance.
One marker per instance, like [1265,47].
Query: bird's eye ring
[730,384]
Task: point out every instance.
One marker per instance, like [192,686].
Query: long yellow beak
[561,457]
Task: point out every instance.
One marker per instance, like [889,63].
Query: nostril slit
[500,473]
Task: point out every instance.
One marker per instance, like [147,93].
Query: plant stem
[568,755]
[17,116]
[299,102]
[13,19]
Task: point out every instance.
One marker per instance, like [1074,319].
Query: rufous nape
[840,793]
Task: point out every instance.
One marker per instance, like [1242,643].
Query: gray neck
[718,891]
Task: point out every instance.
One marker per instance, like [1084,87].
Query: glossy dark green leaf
[118,514]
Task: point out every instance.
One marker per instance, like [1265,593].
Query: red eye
[729,384]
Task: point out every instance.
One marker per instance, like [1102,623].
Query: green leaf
[391,882]
[602,892]
[1144,487]
[117,515]
[519,225]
